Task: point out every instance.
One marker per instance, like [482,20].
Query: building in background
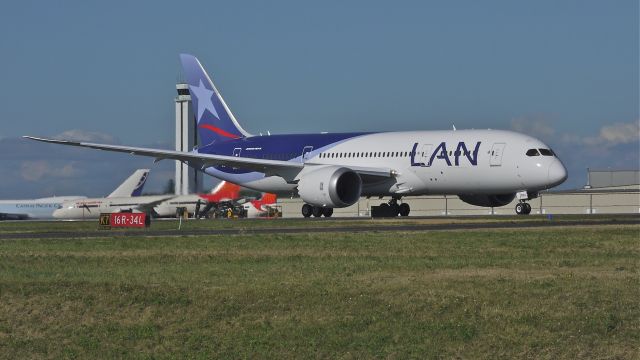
[187,179]
[612,179]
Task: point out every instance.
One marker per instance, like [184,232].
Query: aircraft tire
[317,211]
[527,208]
[327,212]
[520,208]
[404,209]
[307,210]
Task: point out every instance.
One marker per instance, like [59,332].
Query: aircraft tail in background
[215,120]
[133,185]
[224,191]
[266,200]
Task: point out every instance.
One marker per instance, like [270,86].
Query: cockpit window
[546,152]
[533,152]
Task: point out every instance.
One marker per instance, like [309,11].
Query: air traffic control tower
[188,180]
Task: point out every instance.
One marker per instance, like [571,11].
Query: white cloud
[36,170]
[536,127]
[615,134]
[33,170]
[88,136]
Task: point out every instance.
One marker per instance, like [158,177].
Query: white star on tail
[204,99]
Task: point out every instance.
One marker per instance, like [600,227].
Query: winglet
[67,142]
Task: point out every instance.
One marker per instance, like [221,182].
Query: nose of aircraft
[557,173]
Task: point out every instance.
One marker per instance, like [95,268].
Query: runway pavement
[315,226]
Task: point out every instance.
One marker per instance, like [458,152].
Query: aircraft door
[305,153]
[237,151]
[496,154]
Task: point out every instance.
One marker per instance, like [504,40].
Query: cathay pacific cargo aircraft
[44,208]
[331,170]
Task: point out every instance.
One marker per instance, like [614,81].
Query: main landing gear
[316,211]
[396,209]
[523,208]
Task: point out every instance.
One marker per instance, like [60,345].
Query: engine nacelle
[330,186]
[488,200]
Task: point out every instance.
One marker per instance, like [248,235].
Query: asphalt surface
[316,227]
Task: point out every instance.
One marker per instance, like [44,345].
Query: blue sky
[565,71]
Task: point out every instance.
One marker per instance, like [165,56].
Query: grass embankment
[553,293]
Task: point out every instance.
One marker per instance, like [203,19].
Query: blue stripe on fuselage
[274,147]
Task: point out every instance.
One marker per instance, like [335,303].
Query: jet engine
[488,200]
[330,186]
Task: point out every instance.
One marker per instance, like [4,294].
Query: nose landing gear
[523,208]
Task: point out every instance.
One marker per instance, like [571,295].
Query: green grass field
[559,293]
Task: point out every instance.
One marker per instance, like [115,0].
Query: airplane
[332,170]
[90,208]
[160,205]
[45,207]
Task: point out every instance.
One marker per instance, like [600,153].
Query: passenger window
[546,152]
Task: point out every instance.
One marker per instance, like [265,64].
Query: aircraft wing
[285,169]
[272,167]
[148,207]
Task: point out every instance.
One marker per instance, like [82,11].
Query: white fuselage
[169,207]
[92,207]
[36,208]
[440,164]
[161,205]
